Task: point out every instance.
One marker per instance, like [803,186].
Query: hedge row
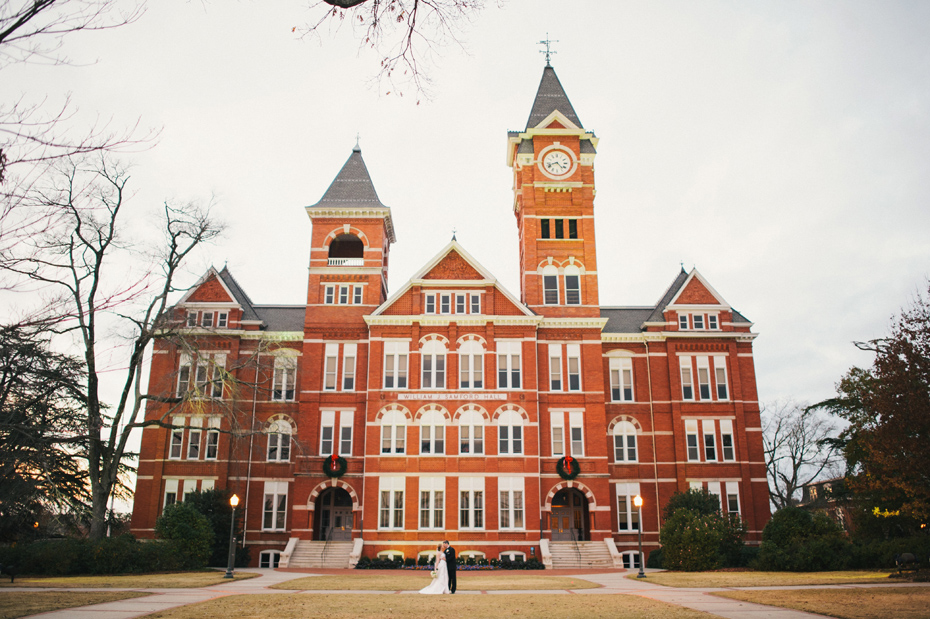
[396,563]
[114,555]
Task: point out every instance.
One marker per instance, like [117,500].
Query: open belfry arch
[368,422]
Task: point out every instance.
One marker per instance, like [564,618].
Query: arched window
[471,365]
[432,433]
[433,362]
[393,432]
[471,433]
[572,285]
[279,441]
[550,276]
[624,442]
[510,433]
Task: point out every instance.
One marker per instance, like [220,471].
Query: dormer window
[697,322]
[207,320]
[191,319]
[712,322]
[222,318]
[430,304]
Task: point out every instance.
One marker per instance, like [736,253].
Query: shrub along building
[373,424]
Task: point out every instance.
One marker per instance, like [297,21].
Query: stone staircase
[580,554]
[321,554]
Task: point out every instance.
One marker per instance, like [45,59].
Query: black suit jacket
[450,559]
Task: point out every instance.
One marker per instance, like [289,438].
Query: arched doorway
[569,516]
[335,515]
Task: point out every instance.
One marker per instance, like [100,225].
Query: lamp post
[234,501]
[638,502]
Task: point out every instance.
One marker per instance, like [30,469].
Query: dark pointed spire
[550,97]
[352,187]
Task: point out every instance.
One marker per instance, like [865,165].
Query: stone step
[321,554]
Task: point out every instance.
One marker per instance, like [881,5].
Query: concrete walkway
[613,582]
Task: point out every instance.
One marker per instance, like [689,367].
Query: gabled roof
[486,277]
[352,186]
[550,96]
[230,286]
[658,312]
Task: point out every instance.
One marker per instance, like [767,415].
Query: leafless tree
[402,32]
[81,256]
[798,449]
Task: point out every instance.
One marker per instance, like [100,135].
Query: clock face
[557,163]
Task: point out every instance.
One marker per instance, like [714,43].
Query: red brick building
[457,409]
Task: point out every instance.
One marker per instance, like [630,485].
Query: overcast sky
[782,148]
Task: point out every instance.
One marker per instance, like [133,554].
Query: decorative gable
[696,293]
[453,266]
[211,290]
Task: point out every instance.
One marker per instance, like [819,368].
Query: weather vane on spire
[548,43]
[358,136]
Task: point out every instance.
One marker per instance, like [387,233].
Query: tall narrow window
[346,423]
[511,502]
[395,365]
[430,305]
[691,438]
[279,441]
[712,322]
[720,376]
[703,369]
[222,319]
[358,291]
[207,320]
[433,360]
[184,375]
[329,295]
[327,432]
[573,351]
[698,320]
[682,322]
[508,365]
[191,319]
[572,285]
[275,511]
[391,504]
[471,365]
[432,433]
[177,439]
[445,304]
[732,490]
[559,229]
[510,433]
[344,294]
[285,376]
[710,442]
[573,228]
[330,364]
[627,512]
[213,438]
[471,433]
[555,367]
[475,303]
[348,366]
[557,423]
[550,285]
[461,304]
[218,372]
[202,377]
[726,440]
[393,432]
[544,228]
[687,391]
[624,442]
[576,433]
[621,379]
[471,503]
[432,491]
[193,438]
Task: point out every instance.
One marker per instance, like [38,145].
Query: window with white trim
[194,436]
[712,322]
[189,488]
[691,438]
[432,433]
[621,379]
[555,367]
[703,371]
[710,440]
[285,379]
[433,362]
[171,492]
[393,432]
[508,364]
[627,512]
[222,320]
[329,295]
[697,321]
[511,502]
[176,446]
[461,304]
[274,514]
[279,441]
[713,487]
[550,277]
[429,305]
[327,432]
[207,371]
[572,285]
[346,423]
[471,433]
[576,433]
[631,559]
[432,502]
[330,366]
[344,292]
[514,556]
[445,303]
[357,293]
[624,442]
[475,303]
[720,376]
[191,319]
[395,365]
[471,365]
[557,423]
[510,433]
[573,353]
[687,390]
[471,502]
[213,438]
[349,352]
[207,320]
[391,502]
[727,448]
[269,558]
[732,490]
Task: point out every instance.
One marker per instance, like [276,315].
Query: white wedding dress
[440,584]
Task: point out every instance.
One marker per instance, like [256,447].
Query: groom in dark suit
[449,551]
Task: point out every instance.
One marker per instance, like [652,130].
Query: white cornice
[274,336]
[431,320]
[573,323]
[381,212]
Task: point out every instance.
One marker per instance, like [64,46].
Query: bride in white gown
[440,584]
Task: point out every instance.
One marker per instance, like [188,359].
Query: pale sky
[782,148]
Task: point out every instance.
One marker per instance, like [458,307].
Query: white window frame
[328,433]
[330,367]
[727,443]
[573,365]
[345,294]
[576,433]
[269,559]
[510,434]
[692,441]
[391,503]
[429,303]
[709,440]
[511,503]
[222,320]
[432,503]
[274,506]
[433,365]
[703,374]
[432,433]
[185,364]
[697,320]
[194,438]
[627,512]
[329,295]
[206,320]
[393,433]
[687,379]
[212,447]
[217,372]
[471,433]
[349,360]
[721,386]
[471,503]
[621,379]
[682,322]
[555,368]
[475,304]
[461,303]
[509,364]
[550,285]
[625,442]
[732,497]
[396,358]
[631,559]
[346,430]
[358,295]
[171,492]
[279,442]
[284,381]
[712,322]
[471,365]
[557,426]
[445,303]
[572,276]
[176,439]
[191,319]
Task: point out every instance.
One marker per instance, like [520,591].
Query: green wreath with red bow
[568,467]
[335,466]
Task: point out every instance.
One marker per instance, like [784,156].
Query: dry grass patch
[414,581]
[862,603]
[24,603]
[301,606]
[764,579]
[178,580]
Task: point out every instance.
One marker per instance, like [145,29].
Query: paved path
[612,583]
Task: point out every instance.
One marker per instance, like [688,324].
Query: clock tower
[553,170]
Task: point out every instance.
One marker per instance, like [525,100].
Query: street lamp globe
[638,502]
